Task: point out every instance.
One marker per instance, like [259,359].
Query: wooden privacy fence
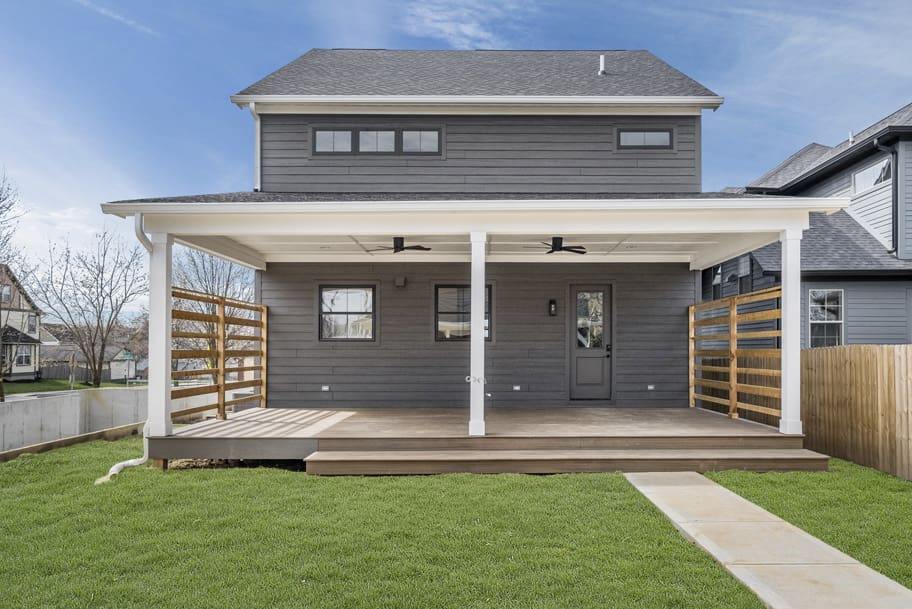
[215,340]
[856,404]
[734,355]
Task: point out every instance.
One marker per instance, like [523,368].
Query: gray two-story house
[856,264]
[475,229]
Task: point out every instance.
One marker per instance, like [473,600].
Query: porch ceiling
[695,229]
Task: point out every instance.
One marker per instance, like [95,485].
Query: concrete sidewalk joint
[784,566]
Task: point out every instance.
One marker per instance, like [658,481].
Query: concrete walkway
[784,566]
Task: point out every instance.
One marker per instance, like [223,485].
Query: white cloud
[466,24]
[139,27]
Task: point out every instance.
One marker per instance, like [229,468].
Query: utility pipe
[119,467]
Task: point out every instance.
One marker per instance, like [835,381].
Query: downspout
[891,150]
[257,173]
[119,467]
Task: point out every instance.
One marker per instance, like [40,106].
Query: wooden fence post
[691,341]
[221,347]
[733,358]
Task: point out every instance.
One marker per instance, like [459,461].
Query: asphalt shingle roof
[396,72]
[12,336]
[813,155]
[835,243]
[294,197]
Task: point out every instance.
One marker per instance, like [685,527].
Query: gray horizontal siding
[875,312]
[406,367]
[872,209]
[485,154]
[904,175]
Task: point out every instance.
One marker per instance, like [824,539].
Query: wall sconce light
[400,281]
[552,308]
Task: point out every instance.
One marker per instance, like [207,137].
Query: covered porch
[626,239]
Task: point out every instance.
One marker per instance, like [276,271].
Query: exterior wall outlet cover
[650,387]
[517,388]
[324,388]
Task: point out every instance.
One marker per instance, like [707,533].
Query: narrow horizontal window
[826,317]
[647,138]
[453,312]
[376,141]
[427,141]
[348,313]
[869,177]
[332,141]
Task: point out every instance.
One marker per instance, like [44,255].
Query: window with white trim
[871,176]
[6,294]
[23,355]
[348,312]
[826,316]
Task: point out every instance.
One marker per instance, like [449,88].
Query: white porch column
[790,421]
[159,421]
[477,341]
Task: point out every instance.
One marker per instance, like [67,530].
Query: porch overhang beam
[225,247]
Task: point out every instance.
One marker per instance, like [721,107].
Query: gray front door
[590,342]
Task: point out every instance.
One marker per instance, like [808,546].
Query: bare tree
[10,213]
[196,270]
[89,290]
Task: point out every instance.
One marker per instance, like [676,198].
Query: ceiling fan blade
[380,249]
[420,248]
[551,251]
[547,244]
[576,249]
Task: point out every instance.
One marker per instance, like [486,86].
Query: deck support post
[477,340]
[790,420]
[159,409]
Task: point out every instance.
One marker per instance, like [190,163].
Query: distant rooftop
[814,155]
[477,73]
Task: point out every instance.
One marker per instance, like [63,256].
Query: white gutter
[705,101]
[140,232]
[127,208]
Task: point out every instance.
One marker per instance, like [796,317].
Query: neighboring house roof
[836,244]
[816,157]
[355,72]
[8,272]
[12,336]
[305,197]
[46,337]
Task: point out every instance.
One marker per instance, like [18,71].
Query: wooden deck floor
[435,440]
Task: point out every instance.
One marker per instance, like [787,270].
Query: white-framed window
[326,140]
[32,323]
[6,294]
[826,315]
[348,312]
[644,138]
[872,175]
[23,355]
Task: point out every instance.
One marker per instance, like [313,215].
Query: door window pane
[590,322]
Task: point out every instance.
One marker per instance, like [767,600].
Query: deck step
[393,462]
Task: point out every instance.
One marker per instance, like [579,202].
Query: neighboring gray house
[503,167]
[856,264]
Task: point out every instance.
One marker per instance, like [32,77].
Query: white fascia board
[478,104]
[464,258]
[821,204]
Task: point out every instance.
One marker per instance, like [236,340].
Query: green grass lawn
[245,537]
[11,387]
[863,512]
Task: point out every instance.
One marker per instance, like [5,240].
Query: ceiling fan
[557,245]
[400,246]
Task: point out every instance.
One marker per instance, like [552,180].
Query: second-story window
[332,141]
[376,141]
[871,176]
[644,138]
[6,294]
[32,324]
[427,141]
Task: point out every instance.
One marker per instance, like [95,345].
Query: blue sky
[109,99]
